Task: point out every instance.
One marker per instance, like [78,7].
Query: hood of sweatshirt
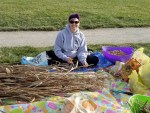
[73,33]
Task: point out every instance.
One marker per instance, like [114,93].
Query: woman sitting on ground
[70,44]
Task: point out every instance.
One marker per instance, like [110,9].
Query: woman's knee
[92,59]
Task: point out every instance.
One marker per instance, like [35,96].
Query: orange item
[126,70]
[90,105]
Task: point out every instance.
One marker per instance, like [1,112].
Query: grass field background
[14,55]
[53,14]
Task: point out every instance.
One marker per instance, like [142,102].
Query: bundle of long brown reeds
[30,83]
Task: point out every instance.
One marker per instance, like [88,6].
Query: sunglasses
[76,22]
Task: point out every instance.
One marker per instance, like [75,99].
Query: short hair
[74,16]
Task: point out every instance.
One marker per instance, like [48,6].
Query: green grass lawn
[53,14]
[13,55]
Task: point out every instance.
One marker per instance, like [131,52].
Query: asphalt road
[94,36]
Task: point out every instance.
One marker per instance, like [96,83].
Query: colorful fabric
[104,100]
[50,106]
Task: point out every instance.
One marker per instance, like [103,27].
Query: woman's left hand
[85,65]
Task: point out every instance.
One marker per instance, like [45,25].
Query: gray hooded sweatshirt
[69,44]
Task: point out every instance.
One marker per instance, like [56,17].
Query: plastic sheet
[39,60]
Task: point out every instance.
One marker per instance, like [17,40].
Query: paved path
[95,36]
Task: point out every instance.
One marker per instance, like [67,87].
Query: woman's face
[74,24]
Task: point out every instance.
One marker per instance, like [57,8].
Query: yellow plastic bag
[144,70]
[136,85]
[144,73]
[140,56]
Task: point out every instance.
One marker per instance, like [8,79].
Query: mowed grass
[14,55]
[53,14]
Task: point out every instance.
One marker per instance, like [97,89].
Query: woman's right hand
[70,60]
